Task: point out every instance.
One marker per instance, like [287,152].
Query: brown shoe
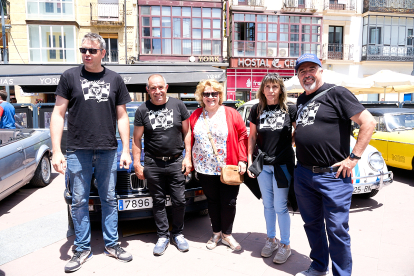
[213,241]
[231,242]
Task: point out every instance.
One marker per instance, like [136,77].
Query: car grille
[129,182]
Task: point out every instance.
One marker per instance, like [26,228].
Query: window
[50,8]
[275,36]
[52,44]
[375,35]
[111,41]
[180,30]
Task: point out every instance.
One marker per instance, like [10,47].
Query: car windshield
[131,117]
[400,121]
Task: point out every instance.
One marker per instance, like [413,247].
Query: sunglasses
[212,94]
[91,50]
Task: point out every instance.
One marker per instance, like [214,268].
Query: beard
[309,87]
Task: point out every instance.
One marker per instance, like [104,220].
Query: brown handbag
[229,173]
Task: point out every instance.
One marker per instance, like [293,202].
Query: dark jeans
[221,199]
[165,178]
[322,198]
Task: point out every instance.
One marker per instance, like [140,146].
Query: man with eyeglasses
[95,98]
[323,184]
[164,122]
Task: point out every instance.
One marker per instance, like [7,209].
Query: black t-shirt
[93,98]
[274,128]
[163,134]
[323,128]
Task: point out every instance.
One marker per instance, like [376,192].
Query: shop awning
[45,77]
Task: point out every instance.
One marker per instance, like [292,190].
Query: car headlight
[375,161]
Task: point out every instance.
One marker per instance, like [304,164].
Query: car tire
[70,220]
[370,194]
[203,212]
[43,173]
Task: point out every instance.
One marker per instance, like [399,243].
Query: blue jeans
[324,199]
[80,167]
[275,203]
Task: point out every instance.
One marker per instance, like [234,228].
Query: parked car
[134,199]
[369,175]
[24,158]
[394,136]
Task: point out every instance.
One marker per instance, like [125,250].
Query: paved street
[34,239]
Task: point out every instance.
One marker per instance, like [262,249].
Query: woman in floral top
[230,138]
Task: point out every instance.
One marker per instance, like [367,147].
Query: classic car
[369,175]
[24,157]
[394,136]
[134,199]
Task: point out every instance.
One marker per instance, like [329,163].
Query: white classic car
[370,174]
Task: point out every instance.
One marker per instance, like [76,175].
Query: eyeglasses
[92,51]
[212,94]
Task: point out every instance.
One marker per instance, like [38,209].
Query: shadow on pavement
[403,176]
[2,273]
[360,204]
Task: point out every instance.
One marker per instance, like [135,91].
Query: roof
[382,111]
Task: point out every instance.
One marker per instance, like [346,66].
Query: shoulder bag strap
[209,136]
[313,99]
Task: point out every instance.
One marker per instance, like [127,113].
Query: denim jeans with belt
[324,199]
[275,203]
[80,168]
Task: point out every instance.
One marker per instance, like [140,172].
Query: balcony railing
[265,50]
[392,6]
[247,3]
[111,57]
[343,5]
[391,53]
[299,4]
[338,51]
[107,14]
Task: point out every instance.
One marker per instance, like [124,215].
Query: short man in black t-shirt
[164,123]
[95,98]
[323,174]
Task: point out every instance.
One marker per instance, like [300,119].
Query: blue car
[134,199]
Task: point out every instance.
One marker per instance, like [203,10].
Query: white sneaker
[270,247]
[312,272]
[282,254]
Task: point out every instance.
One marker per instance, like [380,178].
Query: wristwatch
[353,156]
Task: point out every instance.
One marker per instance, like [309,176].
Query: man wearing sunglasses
[164,122]
[95,98]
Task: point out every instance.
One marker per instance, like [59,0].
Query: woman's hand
[251,175]
[242,167]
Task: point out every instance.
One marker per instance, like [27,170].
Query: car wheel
[203,212]
[42,174]
[370,194]
[70,220]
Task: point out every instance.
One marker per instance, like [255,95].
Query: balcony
[335,51]
[387,53]
[339,5]
[391,6]
[300,6]
[247,5]
[107,14]
[111,57]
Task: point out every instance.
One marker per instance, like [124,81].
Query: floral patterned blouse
[204,159]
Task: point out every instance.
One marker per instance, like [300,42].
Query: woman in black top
[271,122]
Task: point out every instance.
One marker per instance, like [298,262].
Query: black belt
[165,158]
[316,169]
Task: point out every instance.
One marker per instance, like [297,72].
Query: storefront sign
[208,59]
[263,63]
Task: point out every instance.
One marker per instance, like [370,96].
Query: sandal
[213,241]
[231,242]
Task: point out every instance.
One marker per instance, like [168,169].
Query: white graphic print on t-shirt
[162,118]
[308,114]
[272,119]
[95,90]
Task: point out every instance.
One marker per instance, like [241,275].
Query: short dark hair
[3,95]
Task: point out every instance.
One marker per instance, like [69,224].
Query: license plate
[362,189]
[139,203]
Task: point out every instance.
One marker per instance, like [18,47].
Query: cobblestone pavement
[34,239]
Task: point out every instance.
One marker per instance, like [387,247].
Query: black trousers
[165,178]
[221,199]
